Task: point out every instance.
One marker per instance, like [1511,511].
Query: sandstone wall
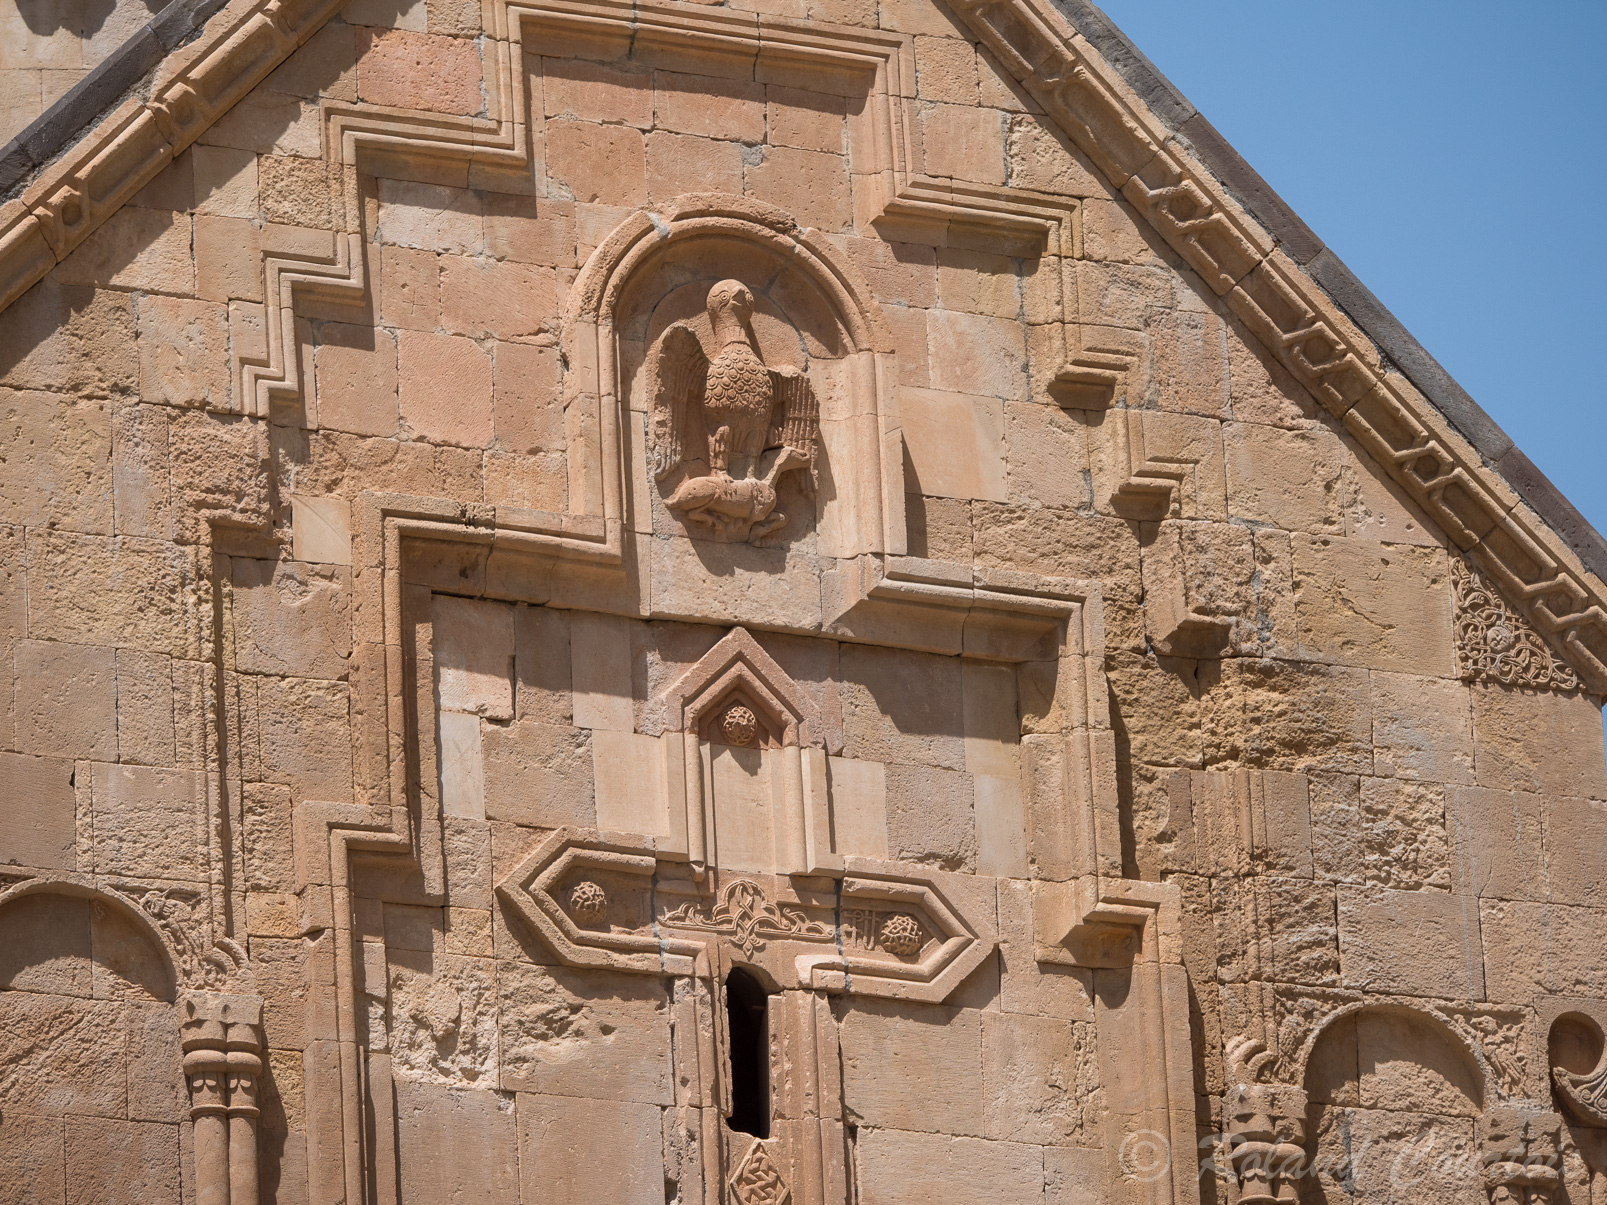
[342,605]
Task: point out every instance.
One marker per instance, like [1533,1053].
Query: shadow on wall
[82,17]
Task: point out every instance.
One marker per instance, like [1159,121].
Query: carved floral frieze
[1496,644]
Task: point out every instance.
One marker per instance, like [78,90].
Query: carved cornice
[1297,321]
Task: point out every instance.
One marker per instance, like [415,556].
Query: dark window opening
[746,1008]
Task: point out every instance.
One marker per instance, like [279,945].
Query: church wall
[222,652]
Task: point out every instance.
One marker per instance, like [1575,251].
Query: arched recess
[1391,1086]
[92,1091]
[648,273]
[56,921]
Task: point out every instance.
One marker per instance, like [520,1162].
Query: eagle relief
[734,423]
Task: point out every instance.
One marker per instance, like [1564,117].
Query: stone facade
[679,604]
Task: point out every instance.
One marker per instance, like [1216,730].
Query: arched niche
[1390,1087]
[71,940]
[812,313]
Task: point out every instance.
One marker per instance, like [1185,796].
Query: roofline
[1397,344]
[75,110]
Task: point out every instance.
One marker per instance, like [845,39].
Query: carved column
[222,1064]
[1521,1162]
[1266,1134]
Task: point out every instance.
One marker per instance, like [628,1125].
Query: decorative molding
[1522,1163]
[1496,644]
[1297,321]
[195,86]
[673,926]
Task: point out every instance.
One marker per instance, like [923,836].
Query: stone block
[542,665]
[601,665]
[710,107]
[811,121]
[591,163]
[1026,986]
[145,731]
[121,593]
[1041,1080]
[964,142]
[228,259]
[1298,941]
[813,187]
[355,372]
[607,92]
[418,71]
[678,164]
[473,647]
[1566,962]
[141,472]
[1286,715]
[628,770]
[1497,849]
[1576,872]
[487,298]
[429,217]
[931,819]
[146,822]
[915,1168]
[32,1160]
[977,355]
[58,458]
[37,812]
[954,444]
[574,1151]
[66,700]
[1406,1063]
[143,249]
[1048,457]
[445,389]
[914,1067]
[600,1034]
[63,1056]
[71,339]
[1422,728]
[462,766]
[902,707]
[292,619]
[321,530]
[457,1145]
[306,737]
[858,806]
[1538,741]
[1288,479]
[110,1161]
[1380,606]
[539,774]
[1421,943]
[1403,834]
[526,410]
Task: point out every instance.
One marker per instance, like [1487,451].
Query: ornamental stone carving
[719,414]
[1496,644]
[1522,1165]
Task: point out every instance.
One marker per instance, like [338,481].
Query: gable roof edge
[1320,263]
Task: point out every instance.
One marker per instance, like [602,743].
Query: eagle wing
[794,414]
[679,373]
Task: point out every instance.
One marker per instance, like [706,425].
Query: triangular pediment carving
[1080,92]
[734,677]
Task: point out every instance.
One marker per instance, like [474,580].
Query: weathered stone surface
[365,524]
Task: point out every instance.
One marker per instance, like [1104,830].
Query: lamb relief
[735,423]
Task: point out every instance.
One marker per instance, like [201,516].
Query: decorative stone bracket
[223,1067]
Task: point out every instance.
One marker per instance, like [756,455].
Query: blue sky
[1453,155]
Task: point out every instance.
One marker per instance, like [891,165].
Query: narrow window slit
[747,1026]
